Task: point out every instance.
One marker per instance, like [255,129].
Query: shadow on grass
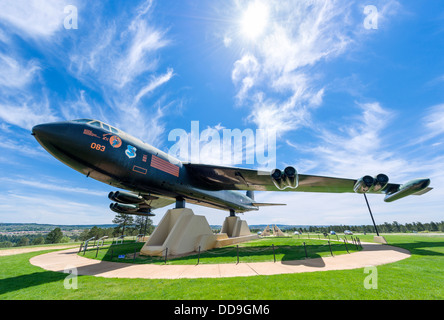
[29,280]
[245,253]
[422,248]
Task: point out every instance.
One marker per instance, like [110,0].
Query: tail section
[250,194]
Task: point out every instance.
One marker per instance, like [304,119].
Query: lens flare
[254,20]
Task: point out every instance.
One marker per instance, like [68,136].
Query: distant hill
[16,227]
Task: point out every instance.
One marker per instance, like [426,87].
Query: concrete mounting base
[379,239]
[183,232]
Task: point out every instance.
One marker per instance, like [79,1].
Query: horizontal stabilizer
[422,191]
[263,204]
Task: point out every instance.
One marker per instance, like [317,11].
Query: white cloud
[245,74]
[357,148]
[153,84]
[434,121]
[34,18]
[16,207]
[16,74]
[120,60]
[26,114]
[273,74]
[57,186]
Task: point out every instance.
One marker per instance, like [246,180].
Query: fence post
[198,256]
[134,257]
[305,248]
[166,254]
[81,245]
[237,250]
[274,256]
[330,248]
[97,251]
[346,248]
[112,255]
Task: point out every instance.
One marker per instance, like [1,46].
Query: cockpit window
[82,120]
[98,124]
[114,130]
[95,123]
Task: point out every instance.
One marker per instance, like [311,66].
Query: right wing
[216,177]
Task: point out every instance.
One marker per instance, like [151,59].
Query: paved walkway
[371,255]
[10,252]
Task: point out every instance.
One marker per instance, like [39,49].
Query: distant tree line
[383,228]
[126,224]
[131,226]
[54,236]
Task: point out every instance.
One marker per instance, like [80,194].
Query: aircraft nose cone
[46,131]
[50,133]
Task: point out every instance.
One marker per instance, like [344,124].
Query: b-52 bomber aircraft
[154,179]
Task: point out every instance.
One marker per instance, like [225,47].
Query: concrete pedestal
[182,232]
[235,227]
[379,239]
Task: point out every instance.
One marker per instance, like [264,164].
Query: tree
[38,240]
[24,241]
[122,220]
[55,236]
[144,225]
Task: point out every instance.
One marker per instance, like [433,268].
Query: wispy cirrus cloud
[15,73]
[434,121]
[57,186]
[120,61]
[273,76]
[357,147]
[116,60]
[25,111]
[34,19]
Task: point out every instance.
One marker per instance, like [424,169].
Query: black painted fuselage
[111,156]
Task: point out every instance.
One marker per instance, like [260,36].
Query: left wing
[232,178]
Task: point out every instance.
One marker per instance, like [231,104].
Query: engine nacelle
[276,177]
[130,209]
[125,197]
[380,182]
[411,187]
[286,179]
[363,184]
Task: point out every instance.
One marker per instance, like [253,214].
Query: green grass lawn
[418,277]
[266,249]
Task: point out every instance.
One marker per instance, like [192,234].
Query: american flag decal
[164,166]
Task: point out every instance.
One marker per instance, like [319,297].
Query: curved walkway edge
[371,255]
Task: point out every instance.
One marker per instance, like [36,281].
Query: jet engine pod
[130,209]
[363,184]
[286,179]
[123,208]
[291,177]
[380,182]
[276,177]
[125,197]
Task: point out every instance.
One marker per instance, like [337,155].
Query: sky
[348,88]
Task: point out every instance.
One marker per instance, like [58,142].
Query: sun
[254,20]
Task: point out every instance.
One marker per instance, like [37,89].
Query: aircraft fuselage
[116,158]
